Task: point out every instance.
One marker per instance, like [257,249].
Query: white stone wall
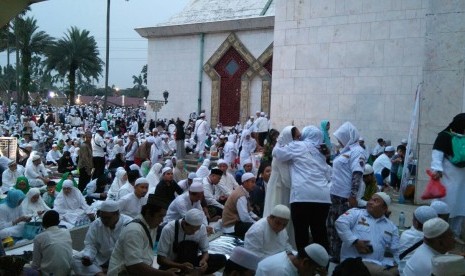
[173,65]
[348,60]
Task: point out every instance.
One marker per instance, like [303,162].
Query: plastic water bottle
[401,220]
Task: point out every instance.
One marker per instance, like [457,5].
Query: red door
[230,68]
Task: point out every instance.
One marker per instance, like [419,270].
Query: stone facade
[361,61]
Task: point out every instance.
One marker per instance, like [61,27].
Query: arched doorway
[230,68]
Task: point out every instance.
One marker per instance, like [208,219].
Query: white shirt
[209,192]
[383,161]
[344,166]
[420,262]
[242,208]
[9,178]
[100,240]
[180,206]
[226,185]
[53,156]
[131,205]
[201,128]
[263,241]
[408,238]
[130,154]
[53,251]
[261,124]
[276,265]
[165,244]
[133,247]
[381,232]
[127,188]
[98,146]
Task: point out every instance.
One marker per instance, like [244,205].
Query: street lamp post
[107,59]
[156,105]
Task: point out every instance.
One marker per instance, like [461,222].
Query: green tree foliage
[73,55]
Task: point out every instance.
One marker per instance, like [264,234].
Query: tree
[75,53]
[140,80]
[29,42]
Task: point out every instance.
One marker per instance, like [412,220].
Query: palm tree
[75,53]
[30,41]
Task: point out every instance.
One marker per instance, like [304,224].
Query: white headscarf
[347,134]
[73,201]
[153,177]
[32,208]
[204,170]
[313,137]
[118,181]
[285,137]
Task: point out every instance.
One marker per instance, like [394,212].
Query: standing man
[85,162]
[200,131]
[131,148]
[180,137]
[98,153]
[133,253]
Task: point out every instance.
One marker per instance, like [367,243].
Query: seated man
[311,261]
[53,252]
[215,208]
[167,187]
[10,175]
[237,212]
[53,156]
[241,262]
[131,204]
[36,172]
[438,239]
[442,209]
[227,182]
[180,242]
[185,183]
[383,162]
[100,240]
[367,233]
[412,238]
[133,253]
[51,194]
[268,236]
[367,188]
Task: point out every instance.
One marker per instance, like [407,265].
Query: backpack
[458,150]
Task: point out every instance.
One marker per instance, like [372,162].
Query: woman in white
[120,179]
[71,205]
[35,171]
[230,150]
[248,145]
[33,205]
[12,219]
[153,177]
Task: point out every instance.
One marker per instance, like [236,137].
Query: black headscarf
[444,140]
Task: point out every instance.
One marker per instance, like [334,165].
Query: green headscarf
[22,179]
[63,178]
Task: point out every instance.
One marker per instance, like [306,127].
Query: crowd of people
[296,199]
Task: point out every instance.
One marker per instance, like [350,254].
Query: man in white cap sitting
[268,236]
[180,242]
[438,239]
[186,183]
[241,262]
[368,233]
[412,238]
[209,188]
[368,186]
[448,265]
[442,209]
[131,204]
[53,156]
[227,182]
[35,172]
[310,261]
[382,165]
[237,213]
[185,202]
[10,175]
[100,240]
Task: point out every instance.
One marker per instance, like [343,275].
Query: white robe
[72,207]
[9,178]
[131,205]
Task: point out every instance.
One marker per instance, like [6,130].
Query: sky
[128,50]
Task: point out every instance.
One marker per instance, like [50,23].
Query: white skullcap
[196,186]
[67,184]
[150,139]
[318,254]
[247,176]
[434,227]
[424,213]
[368,169]
[281,211]
[448,265]
[404,141]
[262,113]
[386,198]
[389,148]
[134,167]
[191,175]
[101,129]
[11,162]
[131,133]
[165,169]
[194,217]
[441,207]
[202,115]
[54,145]
[155,130]
[28,145]
[244,258]
[141,180]
[109,206]
[35,158]
[361,139]
[221,161]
